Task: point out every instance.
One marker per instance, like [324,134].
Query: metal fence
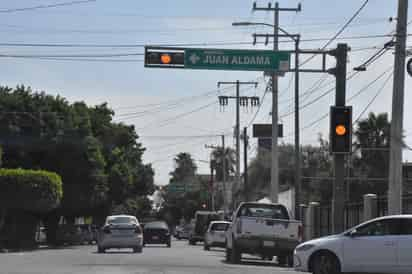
[354,213]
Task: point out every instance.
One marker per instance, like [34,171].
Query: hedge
[35,191]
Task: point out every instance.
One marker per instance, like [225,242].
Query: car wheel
[100,249]
[228,254]
[169,244]
[206,247]
[137,250]
[236,255]
[325,263]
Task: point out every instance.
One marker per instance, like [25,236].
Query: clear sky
[180,103]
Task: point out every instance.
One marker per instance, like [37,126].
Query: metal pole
[225,207]
[338,204]
[245,173]
[212,187]
[274,190]
[298,183]
[237,135]
[395,157]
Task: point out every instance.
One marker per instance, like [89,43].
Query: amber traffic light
[341,129]
[164,59]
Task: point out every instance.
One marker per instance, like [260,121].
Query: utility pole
[212,187]
[338,199]
[395,156]
[224,101]
[245,173]
[274,190]
[225,205]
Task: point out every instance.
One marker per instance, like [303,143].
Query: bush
[30,190]
[23,195]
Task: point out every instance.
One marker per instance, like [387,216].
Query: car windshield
[220,227]
[161,225]
[263,211]
[130,126]
[121,220]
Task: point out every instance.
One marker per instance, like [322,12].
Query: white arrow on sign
[194,58]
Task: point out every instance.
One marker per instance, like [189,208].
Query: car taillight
[239,227]
[107,230]
[300,233]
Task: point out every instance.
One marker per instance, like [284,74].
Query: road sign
[217,59]
[265,130]
[230,59]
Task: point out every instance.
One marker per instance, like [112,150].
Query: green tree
[372,153]
[230,157]
[185,168]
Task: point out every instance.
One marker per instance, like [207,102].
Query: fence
[354,213]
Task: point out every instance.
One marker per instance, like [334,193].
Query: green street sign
[229,59]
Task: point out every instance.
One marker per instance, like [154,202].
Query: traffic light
[166,59]
[341,129]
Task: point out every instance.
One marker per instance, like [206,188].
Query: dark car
[157,233]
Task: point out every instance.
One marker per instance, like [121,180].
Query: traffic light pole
[338,199]
[245,173]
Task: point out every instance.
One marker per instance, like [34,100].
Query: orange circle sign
[166,59]
[340,130]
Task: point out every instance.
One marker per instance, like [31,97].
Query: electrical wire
[374,98]
[340,31]
[211,43]
[259,108]
[362,90]
[71,3]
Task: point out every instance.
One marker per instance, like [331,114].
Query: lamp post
[296,39]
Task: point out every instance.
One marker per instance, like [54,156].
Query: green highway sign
[230,59]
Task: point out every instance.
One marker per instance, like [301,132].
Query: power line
[212,43]
[105,55]
[260,106]
[324,116]
[340,31]
[374,98]
[71,3]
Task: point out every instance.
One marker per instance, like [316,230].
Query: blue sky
[168,95]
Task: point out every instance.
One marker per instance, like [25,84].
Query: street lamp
[296,39]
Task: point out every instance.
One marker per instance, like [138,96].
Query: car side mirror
[354,233]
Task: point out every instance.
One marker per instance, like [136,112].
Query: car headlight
[304,247]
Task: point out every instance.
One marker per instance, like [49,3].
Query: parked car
[216,235]
[157,233]
[263,229]
[201,223]
[381,245]
[120,231]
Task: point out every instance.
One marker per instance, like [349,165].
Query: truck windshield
[263,211]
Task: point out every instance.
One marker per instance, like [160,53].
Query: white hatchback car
[120,231]
[382,245]
[216,234]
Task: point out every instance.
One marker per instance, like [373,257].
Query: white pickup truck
[265,230]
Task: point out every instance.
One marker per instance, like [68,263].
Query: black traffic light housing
[341,129]
[164,58]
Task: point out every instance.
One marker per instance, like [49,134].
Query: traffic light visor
[340,130]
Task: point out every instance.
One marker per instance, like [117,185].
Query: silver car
[216,235]
[120,231]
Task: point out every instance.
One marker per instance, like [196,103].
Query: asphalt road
[180,259]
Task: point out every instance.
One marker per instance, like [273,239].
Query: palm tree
[230,157]
[372,146]
[185,167]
